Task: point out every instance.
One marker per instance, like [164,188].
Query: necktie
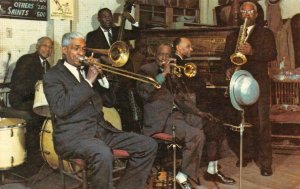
[80,75]
[44,65]
[109,36]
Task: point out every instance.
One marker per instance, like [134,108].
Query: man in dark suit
[29,69]
[170,106]
[80,130]
[196,85]
[259,48]
[102,38]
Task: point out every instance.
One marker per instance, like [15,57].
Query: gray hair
[67,37]
[249,3]
[42,39]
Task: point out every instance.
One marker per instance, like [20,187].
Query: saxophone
[237,57]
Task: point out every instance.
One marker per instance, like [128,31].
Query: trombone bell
[118,53]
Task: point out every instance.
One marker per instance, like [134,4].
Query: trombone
[118,71]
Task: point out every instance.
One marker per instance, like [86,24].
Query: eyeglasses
[247,11]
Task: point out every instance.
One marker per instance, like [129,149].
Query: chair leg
[61,170]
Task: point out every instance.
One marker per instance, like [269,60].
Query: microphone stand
[242,126]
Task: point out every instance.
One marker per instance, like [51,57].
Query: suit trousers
[189,132]
[98,153]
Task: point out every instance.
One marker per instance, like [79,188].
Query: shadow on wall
[94,21]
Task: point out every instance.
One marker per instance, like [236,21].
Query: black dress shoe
[244,164]
[218,177]
[266,171]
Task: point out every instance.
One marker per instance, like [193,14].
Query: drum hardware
[237,128]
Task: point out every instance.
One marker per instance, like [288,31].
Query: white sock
[212,167]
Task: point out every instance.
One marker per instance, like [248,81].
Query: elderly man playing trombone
[80,130]
[168,106]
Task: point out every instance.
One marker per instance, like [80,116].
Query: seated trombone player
[166,107]
[80,130]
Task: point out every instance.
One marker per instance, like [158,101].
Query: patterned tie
[44,65]
[80,74]
[109,36]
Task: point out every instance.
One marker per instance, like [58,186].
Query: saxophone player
[259,48]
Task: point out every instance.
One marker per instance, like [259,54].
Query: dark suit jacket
[264,50]
[96,39]
[76,108]
[27,72]
[158,103]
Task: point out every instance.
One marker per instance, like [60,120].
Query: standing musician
[259,49]
[29,69]
[169,106]
[102,38]
[80,130]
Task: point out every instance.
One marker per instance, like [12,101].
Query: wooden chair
[80,172]
[285,110]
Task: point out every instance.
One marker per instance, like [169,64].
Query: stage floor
[286,168]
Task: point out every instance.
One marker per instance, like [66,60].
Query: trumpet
[118,71]
[189,69]
[118,53]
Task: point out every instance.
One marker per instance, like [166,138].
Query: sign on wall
[62,9]
[24,9]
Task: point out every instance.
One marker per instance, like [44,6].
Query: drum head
[111,115]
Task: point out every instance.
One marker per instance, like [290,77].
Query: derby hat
[243,89]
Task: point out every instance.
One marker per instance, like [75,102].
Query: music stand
[244,91]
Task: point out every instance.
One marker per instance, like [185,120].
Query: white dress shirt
[103,81]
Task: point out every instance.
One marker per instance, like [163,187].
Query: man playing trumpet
[167,107]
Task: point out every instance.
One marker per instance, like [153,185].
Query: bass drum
[46,139]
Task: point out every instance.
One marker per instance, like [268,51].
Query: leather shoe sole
[218,177]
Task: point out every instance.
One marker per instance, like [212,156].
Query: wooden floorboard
[286,174]
[285,167]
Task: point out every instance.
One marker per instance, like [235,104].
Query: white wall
[19,37]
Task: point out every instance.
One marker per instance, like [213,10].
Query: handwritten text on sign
[24,9]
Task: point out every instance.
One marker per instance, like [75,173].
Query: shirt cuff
[160,79]
[136,24]
[104,82]
[89,82]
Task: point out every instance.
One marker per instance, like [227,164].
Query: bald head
[183,47]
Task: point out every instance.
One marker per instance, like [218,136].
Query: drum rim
[19,125]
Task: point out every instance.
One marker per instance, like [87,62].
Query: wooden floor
[286,175]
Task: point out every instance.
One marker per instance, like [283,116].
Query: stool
[82,168]
[169,140]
